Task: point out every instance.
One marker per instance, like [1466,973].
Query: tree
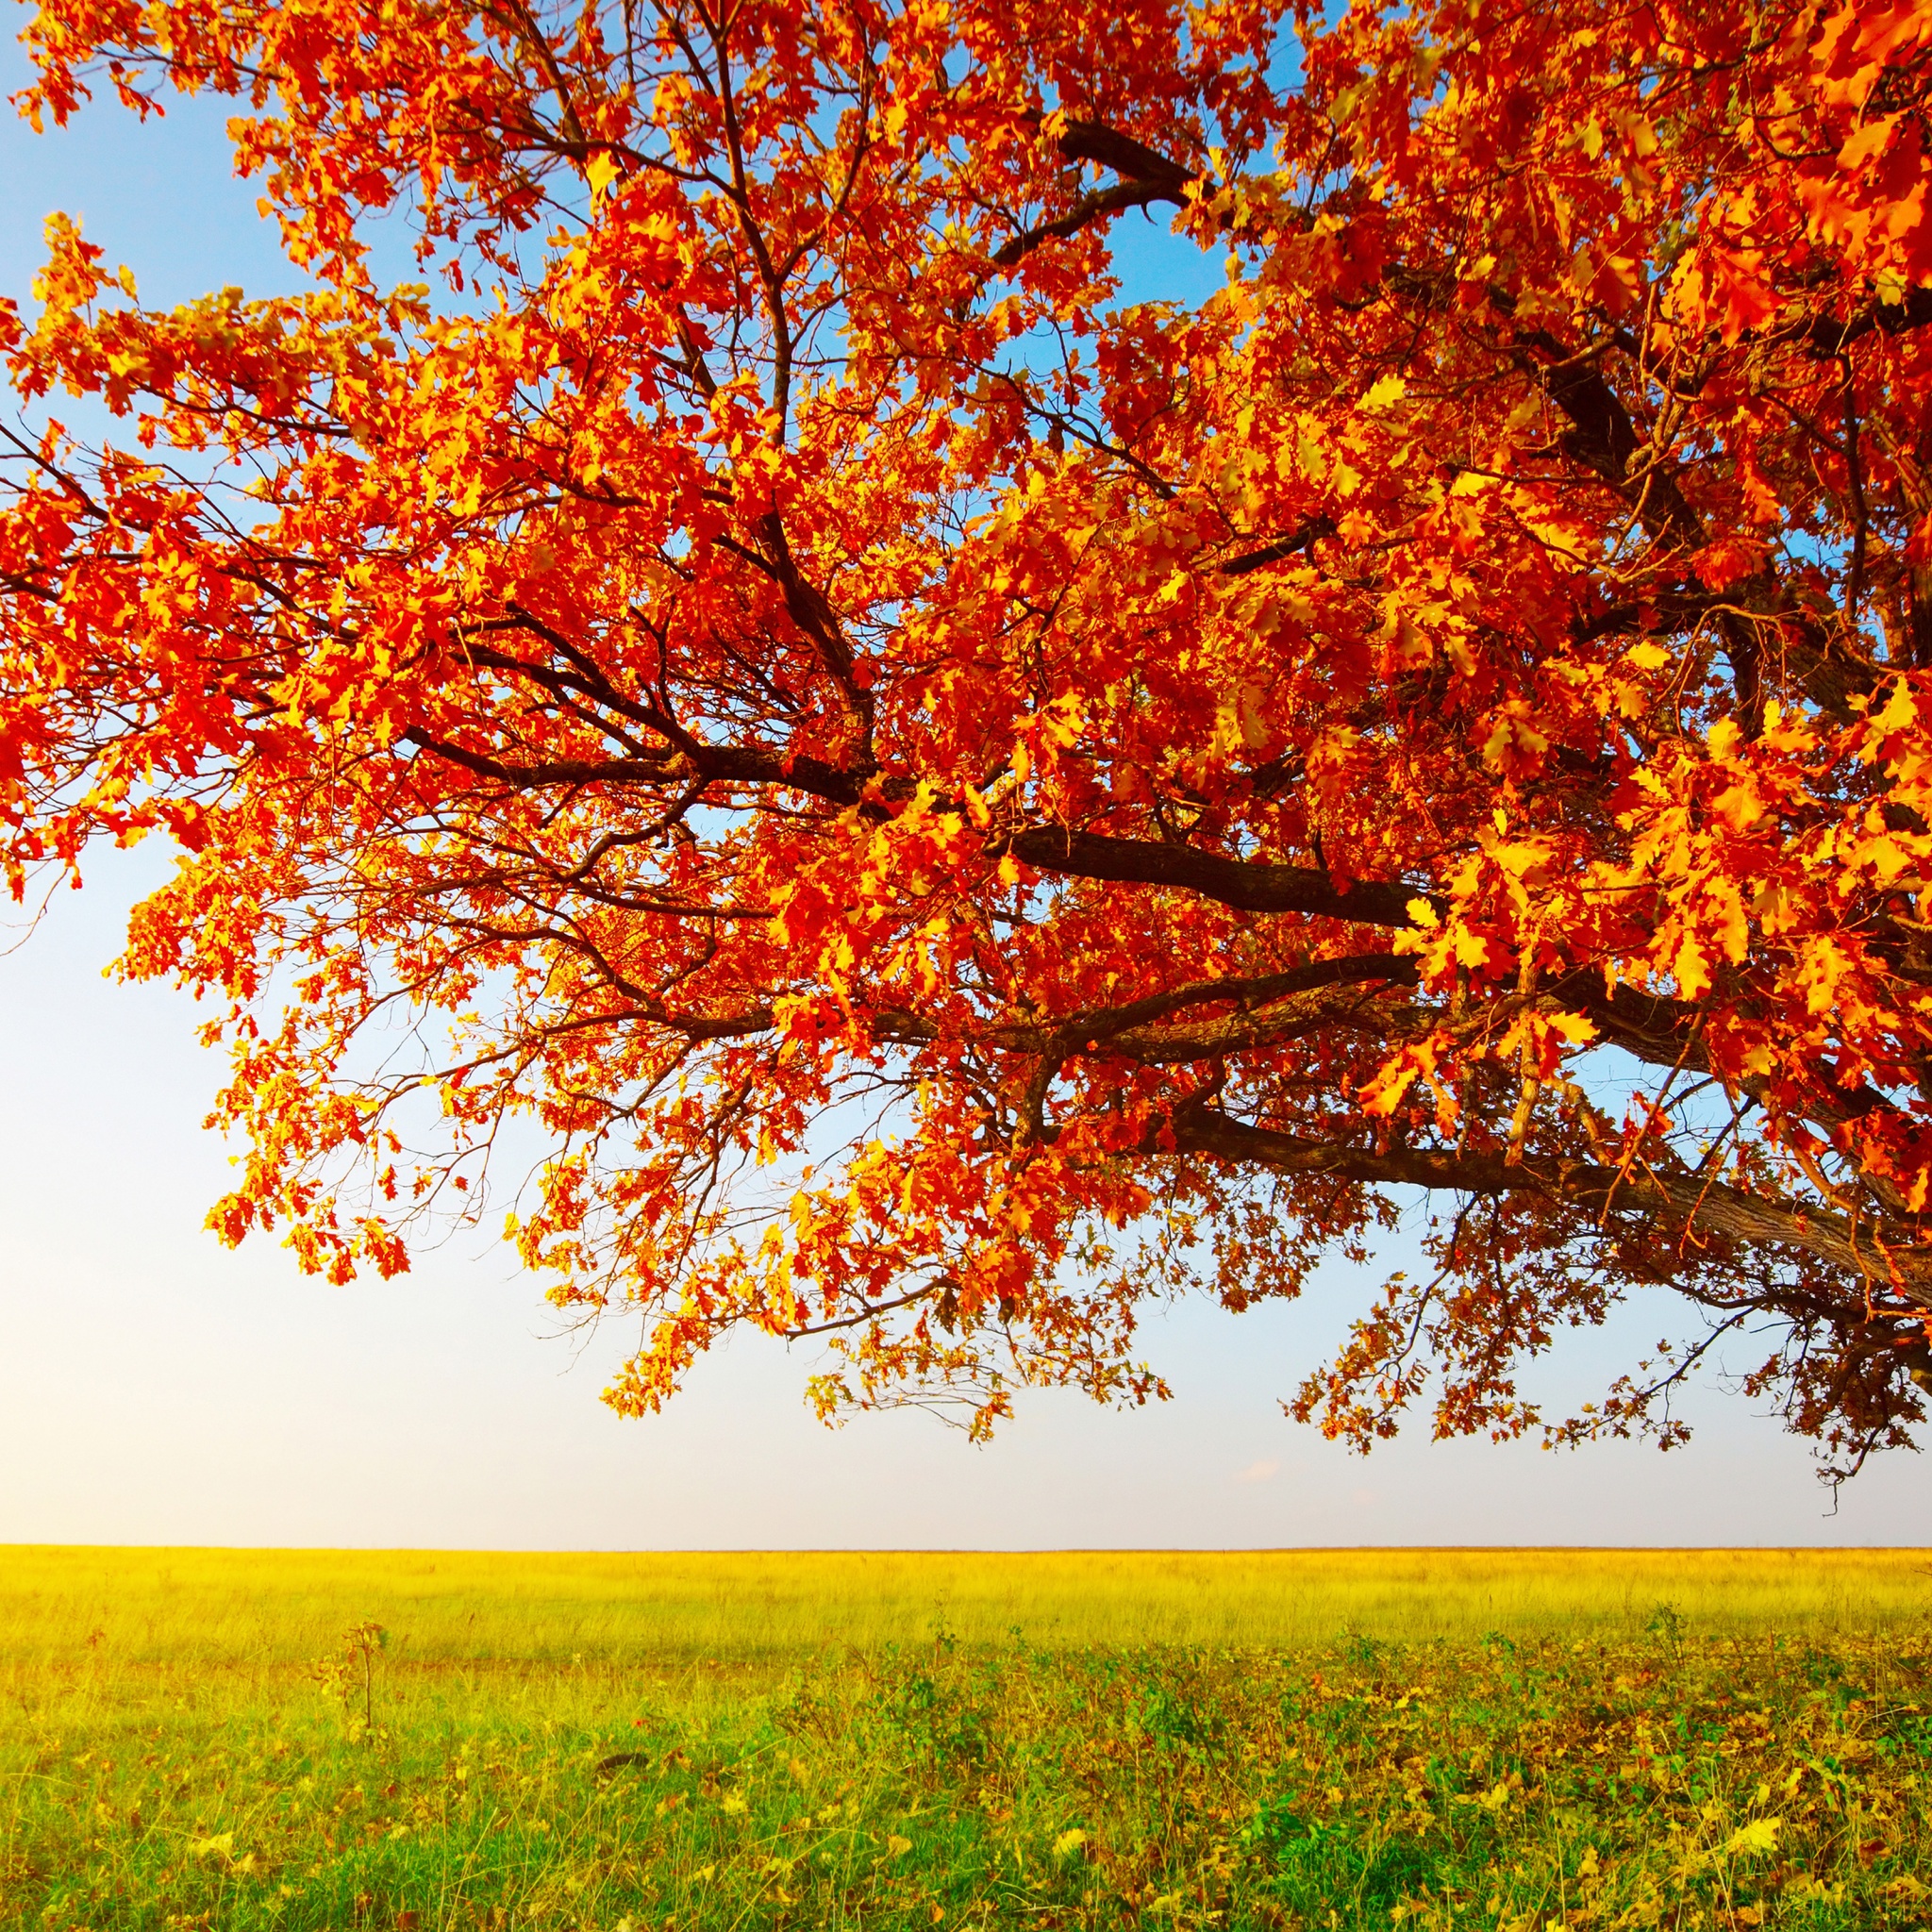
[958,801]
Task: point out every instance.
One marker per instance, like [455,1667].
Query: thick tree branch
[1146,177]
[1697,1207]
[1247,886]
[1827,337]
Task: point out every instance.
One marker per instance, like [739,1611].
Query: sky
[155,1388]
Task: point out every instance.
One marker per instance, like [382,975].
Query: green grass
[1350,1739]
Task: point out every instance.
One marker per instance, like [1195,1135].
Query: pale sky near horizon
[155,1388]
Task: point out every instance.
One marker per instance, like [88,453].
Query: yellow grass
[263,1607]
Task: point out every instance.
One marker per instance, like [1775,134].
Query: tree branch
[1709,1206]
[1246,885]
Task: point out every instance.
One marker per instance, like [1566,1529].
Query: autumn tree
[960,790]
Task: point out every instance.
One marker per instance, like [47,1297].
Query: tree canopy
[962,787]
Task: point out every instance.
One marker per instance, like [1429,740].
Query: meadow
[1529,1740]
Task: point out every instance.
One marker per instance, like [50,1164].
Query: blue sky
[154,1388]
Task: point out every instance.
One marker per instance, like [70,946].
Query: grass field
[1513,1740]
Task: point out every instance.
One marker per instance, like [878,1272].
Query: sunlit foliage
[956,801]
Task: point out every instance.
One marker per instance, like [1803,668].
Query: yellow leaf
[1383,1094]
[1069,1841]
[1867,144]
[1390,390]
[1760,1835]
[1899,710]
[1693,970]
[1065,718]
[898,1846]
[1252,707]
[1739,805]
[1734,931]
[1411,643]
[1647,656]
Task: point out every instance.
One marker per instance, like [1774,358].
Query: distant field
[1523,1741]
[243,1605]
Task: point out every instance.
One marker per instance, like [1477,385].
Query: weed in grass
[348,1674]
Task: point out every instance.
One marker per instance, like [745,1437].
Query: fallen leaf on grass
[1760,1835]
